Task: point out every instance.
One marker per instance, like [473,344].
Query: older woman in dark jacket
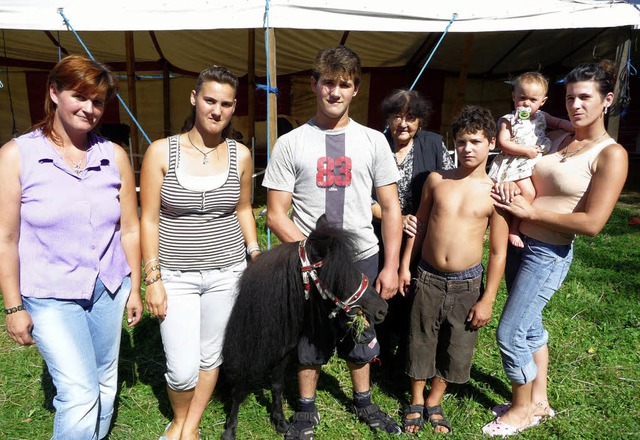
[418,152]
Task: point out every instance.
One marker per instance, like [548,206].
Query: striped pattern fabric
[200,230]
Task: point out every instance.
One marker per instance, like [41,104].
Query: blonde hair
[531,77]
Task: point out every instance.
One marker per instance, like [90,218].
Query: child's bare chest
[464,200]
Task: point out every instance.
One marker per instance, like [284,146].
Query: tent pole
[464,69]
[131,89]
[622,55]
[273,99]
[166,97]
[251,83]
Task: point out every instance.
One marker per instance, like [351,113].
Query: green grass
[594,378]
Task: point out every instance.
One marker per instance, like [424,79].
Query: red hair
[79,73]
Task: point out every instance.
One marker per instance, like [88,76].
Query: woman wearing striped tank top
[197,227]
[577,188]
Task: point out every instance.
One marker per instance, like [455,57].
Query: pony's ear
[323,245]
[322,221]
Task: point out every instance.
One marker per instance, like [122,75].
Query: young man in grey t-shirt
[329,166]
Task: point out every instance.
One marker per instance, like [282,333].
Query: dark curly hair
[472,119]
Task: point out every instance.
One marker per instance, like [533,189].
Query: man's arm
[278,204]
[387,282]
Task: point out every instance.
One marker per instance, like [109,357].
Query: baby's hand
[533,152]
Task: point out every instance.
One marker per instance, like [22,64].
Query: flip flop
[497,428]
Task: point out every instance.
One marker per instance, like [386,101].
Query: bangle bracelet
[149,262]
[253,247]
[14,309]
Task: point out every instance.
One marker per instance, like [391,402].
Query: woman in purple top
[69,246]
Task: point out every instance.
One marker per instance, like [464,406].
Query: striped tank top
[199,230]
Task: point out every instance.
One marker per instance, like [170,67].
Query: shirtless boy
[449,303]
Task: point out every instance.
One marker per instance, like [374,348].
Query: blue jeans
[80,341]
[532,278]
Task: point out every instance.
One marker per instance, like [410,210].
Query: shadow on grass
[48,388]
[145,350]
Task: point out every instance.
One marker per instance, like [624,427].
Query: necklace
[205,154]
[75,166]
[566,155]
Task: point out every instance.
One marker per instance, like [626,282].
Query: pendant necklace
[75,166]
[205,158]
[566,155]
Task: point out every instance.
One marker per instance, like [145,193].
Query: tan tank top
[561,187]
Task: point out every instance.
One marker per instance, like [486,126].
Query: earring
[606,109]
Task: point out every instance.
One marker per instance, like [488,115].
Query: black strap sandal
[415,421]
[302,426]
[376,419]
[437,411]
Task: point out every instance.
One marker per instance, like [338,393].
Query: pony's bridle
[309,271]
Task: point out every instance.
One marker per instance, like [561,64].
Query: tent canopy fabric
[189,35]
[356,15]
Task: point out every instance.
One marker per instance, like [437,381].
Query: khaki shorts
[440,340]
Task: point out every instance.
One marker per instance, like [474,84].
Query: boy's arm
[510,147]
[480,313]
[413,245]
[387,281]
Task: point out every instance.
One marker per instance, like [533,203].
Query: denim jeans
[532,278]
[80,341]
[199,304]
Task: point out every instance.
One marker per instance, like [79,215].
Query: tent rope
[267,88]
[446,30]
[435,48]
[86,49]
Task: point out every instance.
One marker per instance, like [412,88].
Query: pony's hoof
[280,424]
[228,435]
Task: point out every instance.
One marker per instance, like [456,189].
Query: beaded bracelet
[153,268]
[14,309]
[150,281]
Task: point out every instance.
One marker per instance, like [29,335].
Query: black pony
[275,307]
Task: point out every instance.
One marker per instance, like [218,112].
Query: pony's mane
[271,286]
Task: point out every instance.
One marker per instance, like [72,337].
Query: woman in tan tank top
[577,188]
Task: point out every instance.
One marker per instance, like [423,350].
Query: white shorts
[198,307]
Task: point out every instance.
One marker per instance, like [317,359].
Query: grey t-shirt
[332,172]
